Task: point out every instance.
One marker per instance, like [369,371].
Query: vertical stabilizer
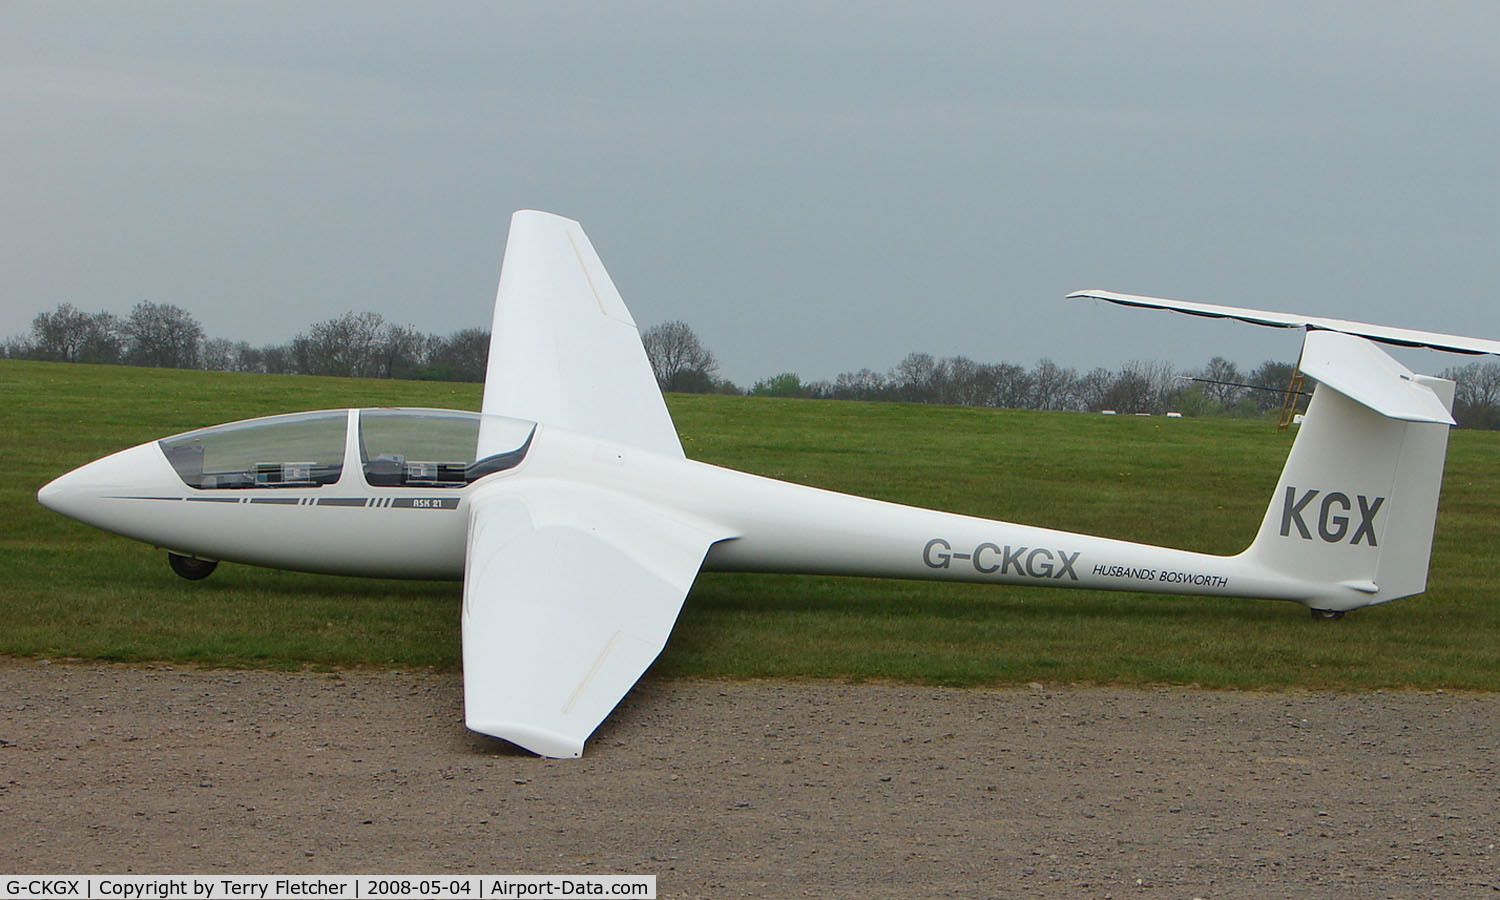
[564,350]
[1354,510]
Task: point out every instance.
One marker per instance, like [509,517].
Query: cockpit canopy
[436,447]
[421,448]
[297,450]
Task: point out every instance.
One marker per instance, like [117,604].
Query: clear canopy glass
[421,448]
[436,447]
[297,450]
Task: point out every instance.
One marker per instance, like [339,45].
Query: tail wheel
[190,567]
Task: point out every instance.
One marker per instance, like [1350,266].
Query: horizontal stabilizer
[1402,337]
[1357,369]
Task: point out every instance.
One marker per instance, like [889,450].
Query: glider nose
[61,493]
[83,493]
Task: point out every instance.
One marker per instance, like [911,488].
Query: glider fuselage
[416,523]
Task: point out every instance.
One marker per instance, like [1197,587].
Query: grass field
[73,591]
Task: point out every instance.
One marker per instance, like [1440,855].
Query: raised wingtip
[540,741]
[1387,334]
[539,216]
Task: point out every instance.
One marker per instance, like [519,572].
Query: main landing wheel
[1327,615]
[190,567]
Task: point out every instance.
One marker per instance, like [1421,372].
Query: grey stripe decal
[352,502]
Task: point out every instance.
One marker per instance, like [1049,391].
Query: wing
[564,350]
[1404,337]
[569,595]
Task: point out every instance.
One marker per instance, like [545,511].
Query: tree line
[358,345]
[1219,388]
[682,363]
[1140,386]
[366,345]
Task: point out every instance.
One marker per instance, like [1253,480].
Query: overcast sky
[813,187]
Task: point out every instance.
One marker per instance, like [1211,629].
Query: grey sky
[814,187]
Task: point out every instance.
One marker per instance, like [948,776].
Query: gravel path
[759,789]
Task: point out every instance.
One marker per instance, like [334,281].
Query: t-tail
[1352,516]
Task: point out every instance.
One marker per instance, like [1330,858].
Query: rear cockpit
[436,448]
[417,448]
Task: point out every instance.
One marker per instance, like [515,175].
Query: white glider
[577,525]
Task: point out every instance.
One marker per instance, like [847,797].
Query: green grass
[72,591]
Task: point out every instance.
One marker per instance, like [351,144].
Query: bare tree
[866,384]
[462,356]
[1093,389]
[400,351]
[1476,401]
[218,355]
[1221,382]
[1011,386]
[223,355]
[278,359]
[70,335]
[1274,378]
[162,335]
[678,359]
[1141,387]
[347,346]
[966,383]
[917,379]
[246,358]
[1053,387]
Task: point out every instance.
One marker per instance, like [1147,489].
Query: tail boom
[1349,524]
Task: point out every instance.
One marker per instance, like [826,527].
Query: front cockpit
[412,448]
[297,450]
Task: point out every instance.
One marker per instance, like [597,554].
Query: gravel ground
[759,789]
